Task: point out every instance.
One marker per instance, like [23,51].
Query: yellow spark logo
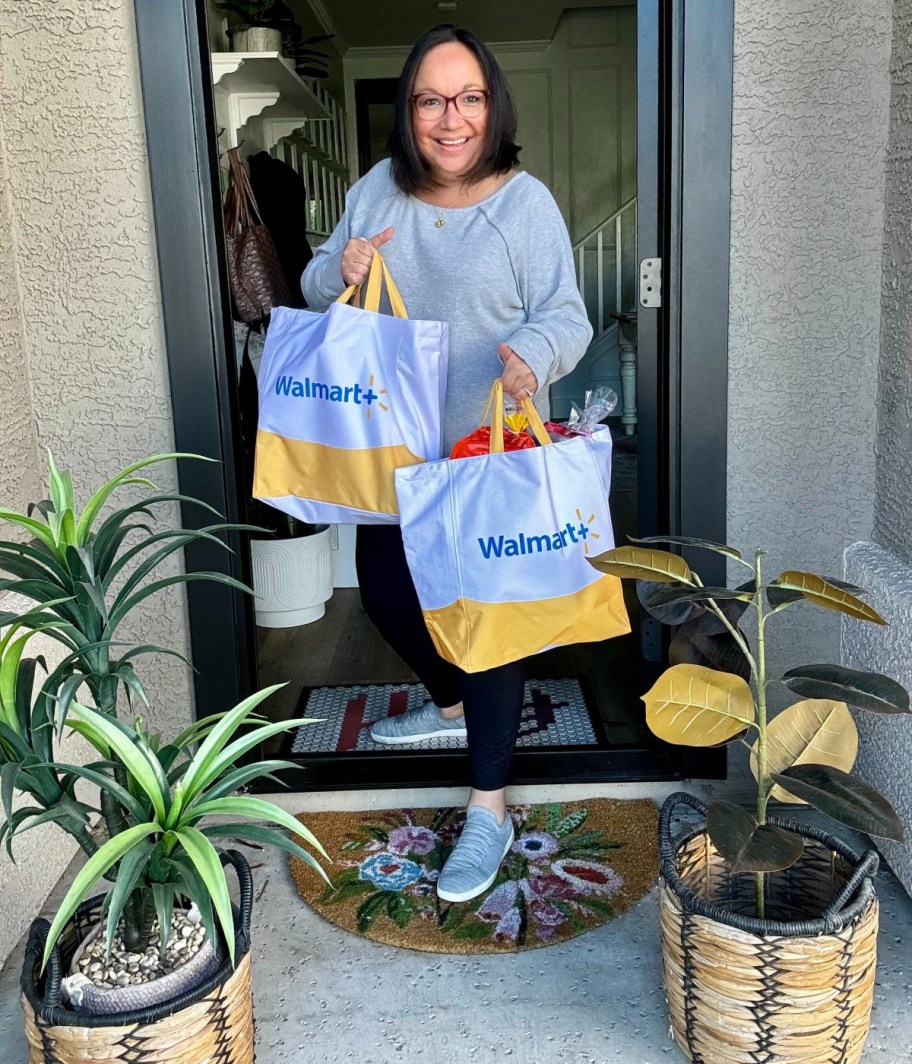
[369,396]
[584,531]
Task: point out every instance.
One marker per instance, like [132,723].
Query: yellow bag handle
[538,426]
[379,272]
[495,400]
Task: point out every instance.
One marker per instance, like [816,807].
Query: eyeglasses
[433,105]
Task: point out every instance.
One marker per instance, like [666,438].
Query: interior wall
[811,109]
[576,101]
[85,302]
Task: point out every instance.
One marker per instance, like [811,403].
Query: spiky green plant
[85,575]
[162,851]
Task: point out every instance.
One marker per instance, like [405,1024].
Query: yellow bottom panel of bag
[482,635]
[359,478]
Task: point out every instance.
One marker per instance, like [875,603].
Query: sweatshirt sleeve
[556,332]
[321,281]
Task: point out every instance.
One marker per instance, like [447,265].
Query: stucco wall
[893,506]
[885,567]
[18,444]
[811,104]
[84,308]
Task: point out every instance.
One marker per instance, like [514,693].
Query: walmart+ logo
[524,543]
[333,393]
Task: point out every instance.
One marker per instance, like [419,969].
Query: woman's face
[450,144]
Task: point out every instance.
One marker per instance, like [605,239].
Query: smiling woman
[475,243]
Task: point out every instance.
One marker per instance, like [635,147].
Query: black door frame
[683,192]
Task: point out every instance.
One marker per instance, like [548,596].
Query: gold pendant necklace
[441,220]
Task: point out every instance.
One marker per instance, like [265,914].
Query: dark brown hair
[410,171]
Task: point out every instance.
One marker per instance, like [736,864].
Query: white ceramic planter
[292,579]
[257,39]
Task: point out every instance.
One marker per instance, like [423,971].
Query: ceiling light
[447,5]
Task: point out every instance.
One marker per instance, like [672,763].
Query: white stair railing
[610,250]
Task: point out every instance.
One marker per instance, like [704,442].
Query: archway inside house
[572,71]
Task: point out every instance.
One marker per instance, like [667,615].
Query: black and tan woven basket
[795,988]
[213,1022]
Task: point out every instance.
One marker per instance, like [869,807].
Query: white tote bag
[346,397]
[497,546]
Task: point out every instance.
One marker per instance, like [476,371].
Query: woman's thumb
[381,238]
[504,351]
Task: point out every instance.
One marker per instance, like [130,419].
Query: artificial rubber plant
[803,754]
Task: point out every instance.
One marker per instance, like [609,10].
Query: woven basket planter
[212,1022]
[795,988]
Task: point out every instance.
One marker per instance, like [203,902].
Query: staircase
[605,260]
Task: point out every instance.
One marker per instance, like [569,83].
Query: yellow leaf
[817,731]
[690,705]
[643,563]
[817,590]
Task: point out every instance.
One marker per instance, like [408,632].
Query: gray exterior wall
[811,106]
[893,503]
[81,343]
[885,566]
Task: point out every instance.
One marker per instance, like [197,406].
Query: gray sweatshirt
[500,271]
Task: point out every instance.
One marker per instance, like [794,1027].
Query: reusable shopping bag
[346,397]
[497,546]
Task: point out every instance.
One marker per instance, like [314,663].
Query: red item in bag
[479,442]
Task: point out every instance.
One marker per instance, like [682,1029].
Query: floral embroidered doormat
[573,867]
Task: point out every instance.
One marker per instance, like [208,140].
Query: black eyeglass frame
[447,100]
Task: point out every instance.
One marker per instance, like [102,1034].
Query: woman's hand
[357,255]
[519,381]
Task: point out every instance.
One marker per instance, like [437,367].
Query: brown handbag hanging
[254,271]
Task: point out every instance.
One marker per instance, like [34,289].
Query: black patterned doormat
[555,713]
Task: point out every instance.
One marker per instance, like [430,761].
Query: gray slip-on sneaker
[424,723]
[473,865]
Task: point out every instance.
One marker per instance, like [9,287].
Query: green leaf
[863,690]
[259,810]
[695,595]
[257,834]
[843,797]
[194,890]
[650,594]
[101,496]
[163,896]
[107,783]
[207,764]
[206,861]
[150,564]
[240,777]
[36,528]
[131,603]
[96,866]
[141,765]
[129,871]
[748,846]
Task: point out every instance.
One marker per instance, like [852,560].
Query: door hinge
[651,283]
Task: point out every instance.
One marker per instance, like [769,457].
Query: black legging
[492,700]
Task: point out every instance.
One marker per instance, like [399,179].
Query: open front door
[651,265]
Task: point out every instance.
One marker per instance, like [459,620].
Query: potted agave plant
[157,968]
[769,924]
